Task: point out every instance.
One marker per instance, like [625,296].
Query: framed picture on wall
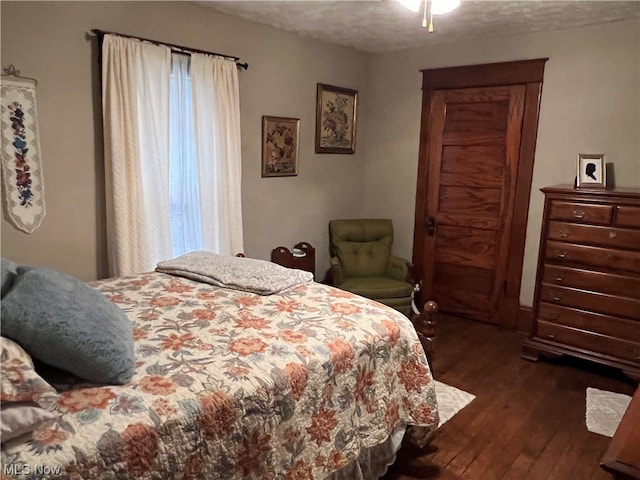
[591,171]
[336,109]
[280,138]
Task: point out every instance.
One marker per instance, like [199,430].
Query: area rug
[450,400]
[604,410]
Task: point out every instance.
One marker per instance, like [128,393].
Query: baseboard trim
[525,320]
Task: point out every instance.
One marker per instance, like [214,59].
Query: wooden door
[473,187]
[475,143]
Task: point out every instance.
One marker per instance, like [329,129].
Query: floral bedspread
[236,385]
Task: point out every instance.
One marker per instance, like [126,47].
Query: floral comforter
[237,385]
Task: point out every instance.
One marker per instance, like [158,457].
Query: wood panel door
[475,143]
[473,192]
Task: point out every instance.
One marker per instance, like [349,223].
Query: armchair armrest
[335,272]
[400,269]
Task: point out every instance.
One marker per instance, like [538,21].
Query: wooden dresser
[587,297]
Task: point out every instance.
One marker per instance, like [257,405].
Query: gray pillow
[64,323]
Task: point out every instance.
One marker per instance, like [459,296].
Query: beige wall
[590,104]
[48,40]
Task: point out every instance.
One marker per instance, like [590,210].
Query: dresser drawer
[627,216]
[623,285]
[568,253]
[590,321]
[593,342]
[583,212]
[594,235]
[593,301]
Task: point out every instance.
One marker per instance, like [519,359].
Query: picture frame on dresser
[591,171]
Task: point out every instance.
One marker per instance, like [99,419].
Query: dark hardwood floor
[527,421]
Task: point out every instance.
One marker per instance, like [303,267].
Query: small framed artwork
[280,137]
[591,171]
[336,109]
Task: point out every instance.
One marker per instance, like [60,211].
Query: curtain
[216,105]
[135,102]
[172,154]
[184,195]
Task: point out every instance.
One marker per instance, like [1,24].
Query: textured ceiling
[384,25]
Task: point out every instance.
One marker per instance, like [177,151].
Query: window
[184,203]
[172,154]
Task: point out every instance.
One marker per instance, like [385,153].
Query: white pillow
[20,390]
[18,418]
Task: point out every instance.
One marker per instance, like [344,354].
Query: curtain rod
[176,48]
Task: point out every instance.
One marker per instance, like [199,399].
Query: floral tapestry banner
[22,174]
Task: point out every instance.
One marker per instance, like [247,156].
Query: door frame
[523,72]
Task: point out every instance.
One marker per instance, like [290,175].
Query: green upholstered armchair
[362,263]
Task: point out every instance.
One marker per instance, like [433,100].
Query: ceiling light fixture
[438,7]
[413,5]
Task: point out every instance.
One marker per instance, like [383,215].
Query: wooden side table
[283,256]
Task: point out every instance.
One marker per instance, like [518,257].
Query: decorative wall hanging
[22,174]
[336,119]
[280,146]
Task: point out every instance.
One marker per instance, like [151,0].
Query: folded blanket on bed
[239,273]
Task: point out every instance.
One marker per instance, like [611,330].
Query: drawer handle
[559,278]
[564,233]
[578,213]
[561,254]
[613,234]
[551,336]
[556,298]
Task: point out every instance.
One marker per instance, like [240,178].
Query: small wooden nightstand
[283,256]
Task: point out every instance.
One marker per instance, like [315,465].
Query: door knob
[431,226]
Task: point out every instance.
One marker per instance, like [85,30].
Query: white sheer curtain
[172,154]
[216,106]
[184,195]
[135,102]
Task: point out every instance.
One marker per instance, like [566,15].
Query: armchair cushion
[362,246]
[377,287]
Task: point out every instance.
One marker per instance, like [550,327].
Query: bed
[311,382]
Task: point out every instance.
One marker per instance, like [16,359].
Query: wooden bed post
[425,324]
